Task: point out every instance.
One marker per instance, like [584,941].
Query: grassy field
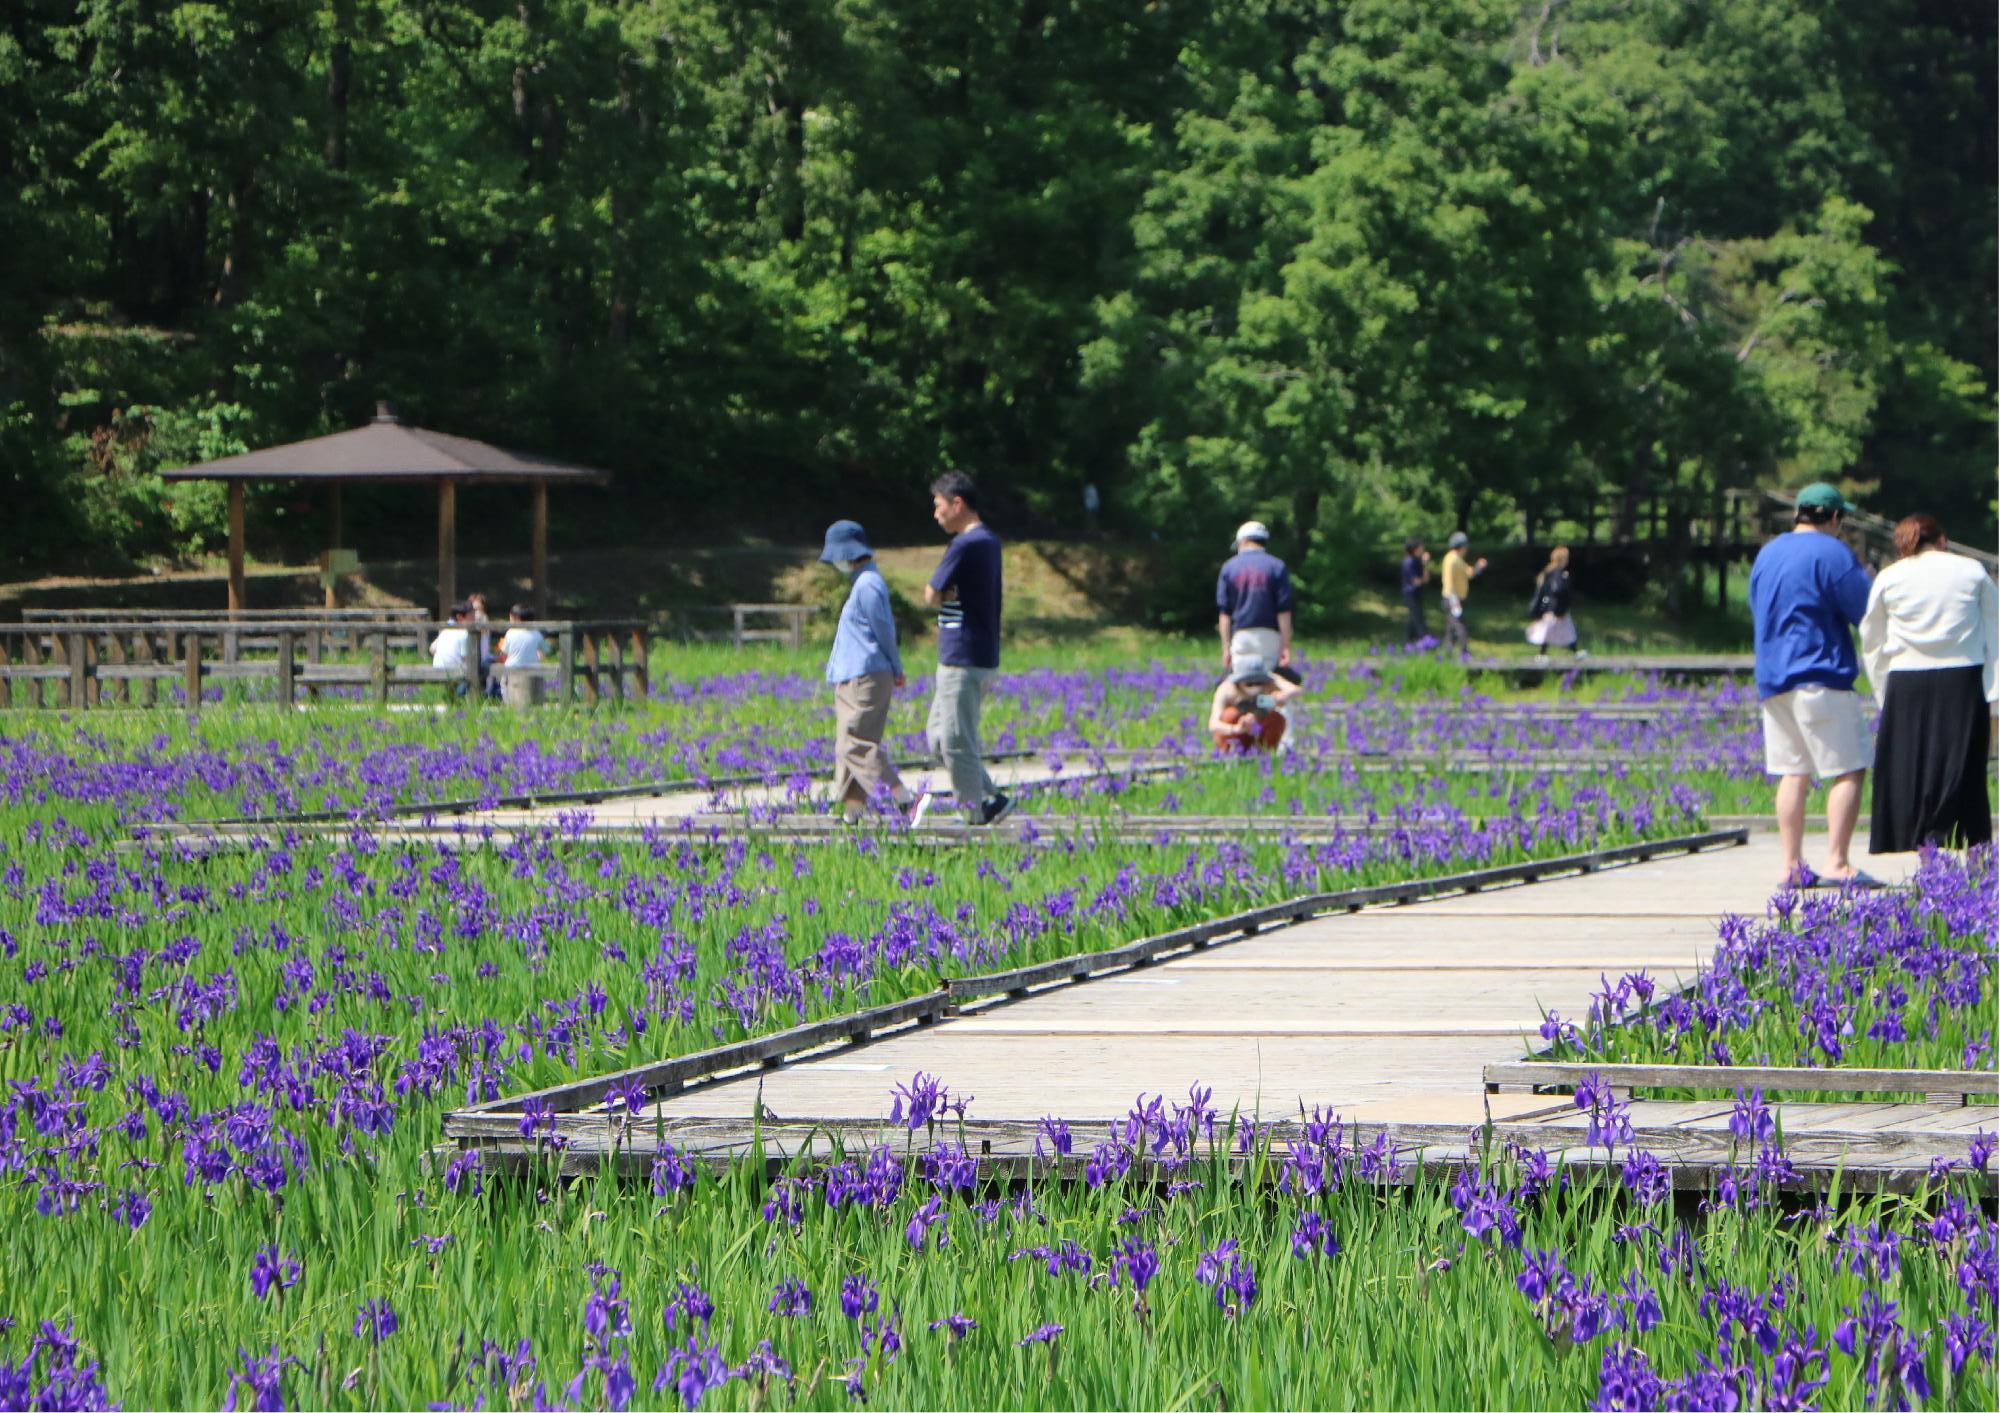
[221,1077]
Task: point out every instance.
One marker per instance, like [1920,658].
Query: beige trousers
[860,715]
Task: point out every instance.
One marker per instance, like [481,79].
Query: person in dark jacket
[1416,573]
[1549,623]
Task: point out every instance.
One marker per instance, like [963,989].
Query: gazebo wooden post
[447,546]
[538,554]
[334,534]
[236,603]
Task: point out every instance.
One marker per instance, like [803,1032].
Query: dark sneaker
[994,810]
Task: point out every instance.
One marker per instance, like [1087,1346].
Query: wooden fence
[363,616]
[130,663]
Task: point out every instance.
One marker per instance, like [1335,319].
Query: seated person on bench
[450,647]
[520,646]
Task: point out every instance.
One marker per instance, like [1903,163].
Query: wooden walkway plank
[1390,1016]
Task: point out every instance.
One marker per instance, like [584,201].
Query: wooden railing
[396,614]
[786,622]
[1728,524]
[143,664]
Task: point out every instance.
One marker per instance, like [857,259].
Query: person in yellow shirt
[1455,577]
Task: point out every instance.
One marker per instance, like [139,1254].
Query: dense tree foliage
[1352,266]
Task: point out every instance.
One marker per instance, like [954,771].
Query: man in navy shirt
[1253,601]
[1416,574]
[965,590]
[1807,592]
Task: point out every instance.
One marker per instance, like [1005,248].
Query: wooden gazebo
[390,449]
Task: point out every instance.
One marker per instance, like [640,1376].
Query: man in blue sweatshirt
[1807,593]
[966,591]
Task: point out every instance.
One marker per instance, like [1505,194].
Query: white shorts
[1814,730]
[1259,642]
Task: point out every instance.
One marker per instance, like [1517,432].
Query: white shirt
[521,647]
[448,649]
[1934,609]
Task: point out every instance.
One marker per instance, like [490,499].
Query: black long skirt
[1930,762]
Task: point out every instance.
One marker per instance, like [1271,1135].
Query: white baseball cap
[1252,530]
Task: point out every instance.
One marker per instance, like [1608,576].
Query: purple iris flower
[918,1102]
[1136,1261]
[691,1302]
[858,1296]
[671,1172]
[1313,1235]
[692,1370]
[1750,1119]
[931,1214]
[375,1320]
[271,1271]
[957,1325]
[791,1298]
[259,1384]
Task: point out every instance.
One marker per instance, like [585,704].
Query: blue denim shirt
[865,641]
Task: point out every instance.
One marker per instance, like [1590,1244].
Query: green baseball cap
[1823,495]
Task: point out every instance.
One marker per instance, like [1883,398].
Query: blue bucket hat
[845,539]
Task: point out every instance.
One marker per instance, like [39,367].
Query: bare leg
[1792,792]
[1843,808]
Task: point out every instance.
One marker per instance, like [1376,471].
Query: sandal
[1860,880]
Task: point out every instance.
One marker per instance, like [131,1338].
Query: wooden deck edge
[1831,1080]
[1862,1160]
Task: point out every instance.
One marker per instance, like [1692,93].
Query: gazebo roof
[386,449]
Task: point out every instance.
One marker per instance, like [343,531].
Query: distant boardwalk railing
[167,662]
[1686,665]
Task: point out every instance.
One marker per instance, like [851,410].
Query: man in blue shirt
[965,590]
[1807,593]
[1253,600]
[865,669]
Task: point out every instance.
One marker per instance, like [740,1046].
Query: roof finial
[387,411]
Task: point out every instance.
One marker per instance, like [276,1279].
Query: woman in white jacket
[1929,639]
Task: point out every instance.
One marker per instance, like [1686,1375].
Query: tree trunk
[339,78]
[620,325]
[1305,514]
[1637,477]
[236,260]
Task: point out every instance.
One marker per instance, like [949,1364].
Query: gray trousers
[953,731]
[860,715]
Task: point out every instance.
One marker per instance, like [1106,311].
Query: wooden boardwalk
[1386,1015]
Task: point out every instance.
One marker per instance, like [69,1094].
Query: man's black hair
[1413,544]
[1815,515]
[520,610]
[956,485]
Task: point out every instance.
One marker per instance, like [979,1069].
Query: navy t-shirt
[969,626]
[1413,574]
[1807,591]
[1253,589]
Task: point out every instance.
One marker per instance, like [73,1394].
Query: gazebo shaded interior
[388,449]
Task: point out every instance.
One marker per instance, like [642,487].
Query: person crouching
[1244,715]
[865,669]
